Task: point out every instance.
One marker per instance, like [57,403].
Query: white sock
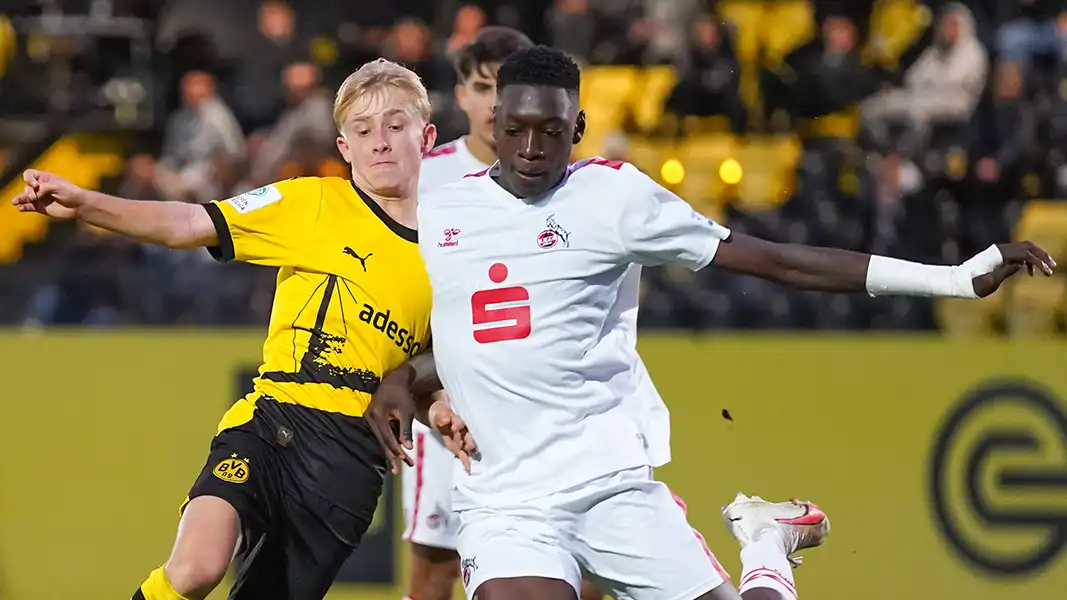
[764,565]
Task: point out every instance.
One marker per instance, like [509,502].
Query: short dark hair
[491,46]
[541,66]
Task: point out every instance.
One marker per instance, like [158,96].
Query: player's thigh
[300,557]
[526,588]
[434,572]
[208,535]
[515,553]
[428,493]
[227,498]
[636,543]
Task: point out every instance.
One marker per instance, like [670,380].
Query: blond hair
[375,77]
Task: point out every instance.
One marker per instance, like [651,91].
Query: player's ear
[579,127]
[342,147]
[461,96]
[429,138]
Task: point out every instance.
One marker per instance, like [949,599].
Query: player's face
[535,128]
[476,97]
[384,139]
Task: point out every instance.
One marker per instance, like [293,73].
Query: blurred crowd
[956,128]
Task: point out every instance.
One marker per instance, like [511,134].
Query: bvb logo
[999,477]
[233,470]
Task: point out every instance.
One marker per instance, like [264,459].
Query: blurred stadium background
[921,129]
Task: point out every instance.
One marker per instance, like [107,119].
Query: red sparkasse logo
[500,314]
[450,238]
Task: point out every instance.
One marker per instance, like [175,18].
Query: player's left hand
[453,431]
[1016,255]
[392,402]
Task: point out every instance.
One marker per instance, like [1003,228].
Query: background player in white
[559,482]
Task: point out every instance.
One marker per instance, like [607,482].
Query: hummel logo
[362,259]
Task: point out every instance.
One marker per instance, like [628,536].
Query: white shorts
[427,492]
[625,532]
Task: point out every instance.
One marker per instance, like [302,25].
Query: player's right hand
[392,402]
[1016,256]
[453,431]
[49,194]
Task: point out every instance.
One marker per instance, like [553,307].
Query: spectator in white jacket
[943,86]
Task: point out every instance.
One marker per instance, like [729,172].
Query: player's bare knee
[192,578]
[434,572]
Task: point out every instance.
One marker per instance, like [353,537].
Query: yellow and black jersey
[352,300]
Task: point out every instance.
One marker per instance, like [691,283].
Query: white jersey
[529,331]
[449,163]
[640,397]
[446,164]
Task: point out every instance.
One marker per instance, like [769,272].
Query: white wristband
[890,276]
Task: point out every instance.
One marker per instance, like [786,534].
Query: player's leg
[223,500]
[208,534]
[434,573]
[769,534]
[632,537]
[590,591]
[430,525]
[515,554]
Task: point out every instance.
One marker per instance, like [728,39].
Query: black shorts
[305,484]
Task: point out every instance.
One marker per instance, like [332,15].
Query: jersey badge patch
[553,235]
[232,470]
[257,198]
[469,567]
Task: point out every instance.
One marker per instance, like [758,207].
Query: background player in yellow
[294,474]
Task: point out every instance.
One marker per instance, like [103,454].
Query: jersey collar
[403,231]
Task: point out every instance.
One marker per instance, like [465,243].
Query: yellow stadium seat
[895,25]
[83,160]
[649,154]
[654,85]
[961,318]
[694,125]
[1044,222]
[786,26]
[702,156]
[606,91]
[768,172]
[746,17]
[840,125]
[7,42]
[1036,305]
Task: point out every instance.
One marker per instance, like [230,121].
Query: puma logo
[362,259]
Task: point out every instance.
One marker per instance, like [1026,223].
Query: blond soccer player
[293,476]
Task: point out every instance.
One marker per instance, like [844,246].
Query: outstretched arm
[171,224]
[175,225]
[834,270]
[657,227]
